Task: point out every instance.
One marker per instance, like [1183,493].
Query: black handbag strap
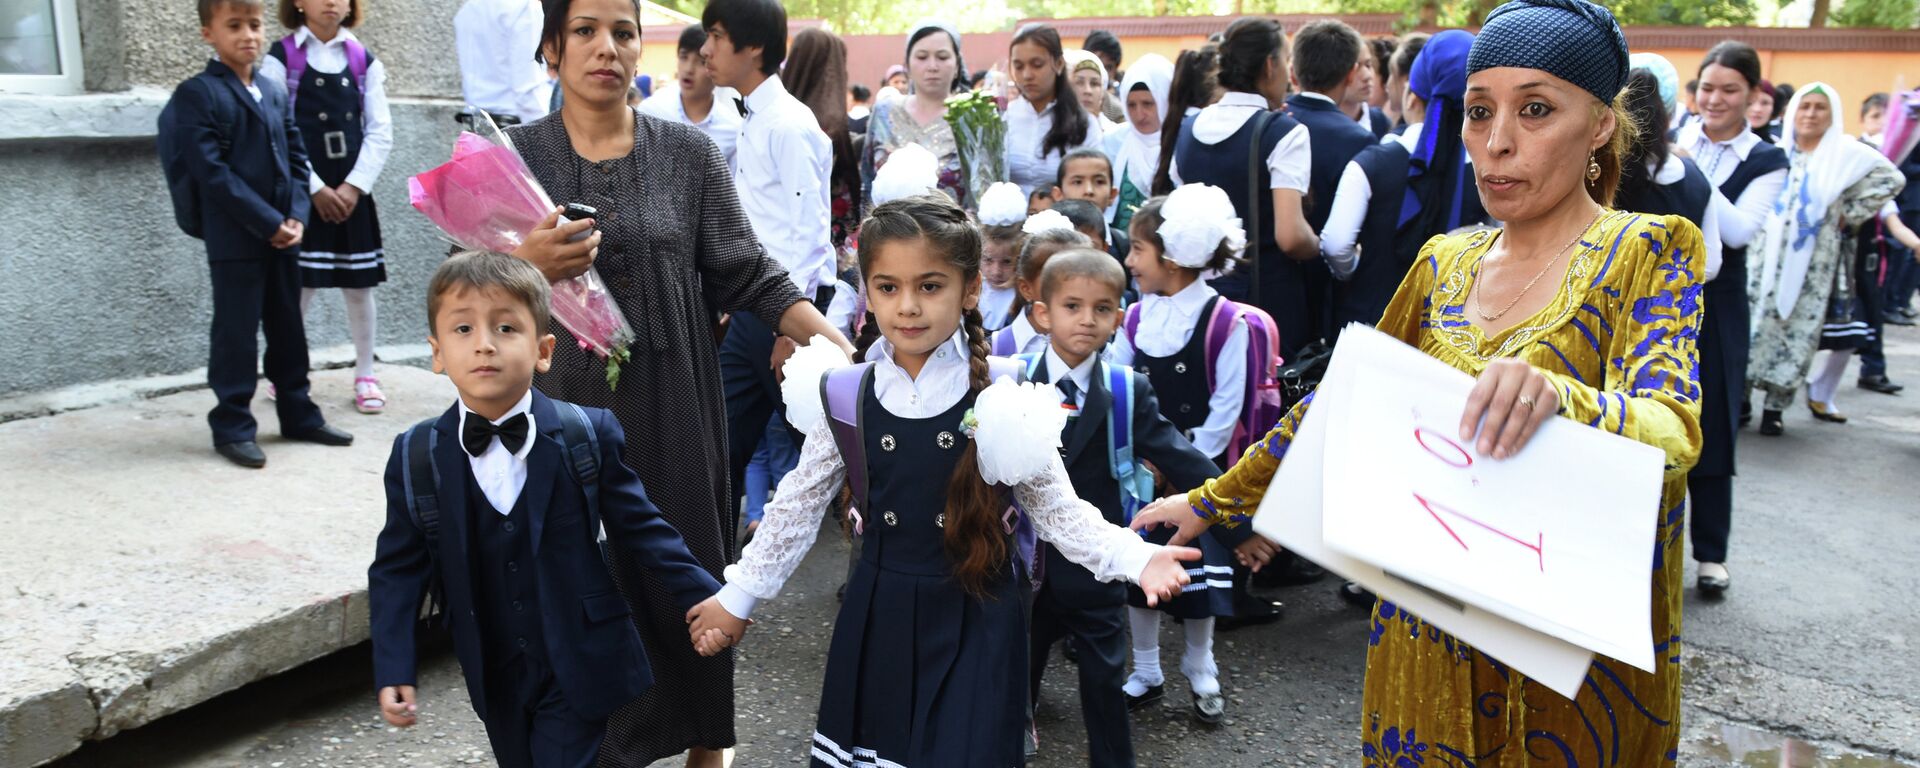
[1255,163]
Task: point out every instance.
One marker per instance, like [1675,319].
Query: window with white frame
[39,47]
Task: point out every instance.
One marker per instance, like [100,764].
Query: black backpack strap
[420,481]
[582,447]
[1256,164]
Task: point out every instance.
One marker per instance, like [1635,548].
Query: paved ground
[1816,642]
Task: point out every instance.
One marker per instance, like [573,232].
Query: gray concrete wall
[97,284]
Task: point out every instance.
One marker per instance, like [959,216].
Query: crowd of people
[834,287]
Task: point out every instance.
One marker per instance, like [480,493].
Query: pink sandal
[367,397]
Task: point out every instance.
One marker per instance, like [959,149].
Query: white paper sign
[1290,514]
[1559,538]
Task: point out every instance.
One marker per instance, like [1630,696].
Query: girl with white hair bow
[1806,262]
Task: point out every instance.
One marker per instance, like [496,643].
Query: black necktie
[1072,392]
[478,433]
[742,105]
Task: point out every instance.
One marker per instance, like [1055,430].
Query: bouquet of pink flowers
[486,199]
[1903,126]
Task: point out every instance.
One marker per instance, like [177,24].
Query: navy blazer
[1090,467]
[252,172]
[1336,138]
[596,654]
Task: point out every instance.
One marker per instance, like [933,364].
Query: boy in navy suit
[250,168]
[545,641]
[1080,297]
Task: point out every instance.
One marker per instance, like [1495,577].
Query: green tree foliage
[1884,14]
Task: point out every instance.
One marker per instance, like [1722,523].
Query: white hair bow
[1194,221]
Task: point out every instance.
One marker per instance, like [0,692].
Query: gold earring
[1593,169]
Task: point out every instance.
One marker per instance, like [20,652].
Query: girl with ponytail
[928,664]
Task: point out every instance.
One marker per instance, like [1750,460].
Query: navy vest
[505,595]
[1283,281]
[1336,138]
[908,463]
[1180,379]
[327,111]
[1688,197]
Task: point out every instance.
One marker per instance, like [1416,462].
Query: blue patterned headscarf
[1574,40]
[1436,174]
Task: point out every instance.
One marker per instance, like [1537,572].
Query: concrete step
[141,574]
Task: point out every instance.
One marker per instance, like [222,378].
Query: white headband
[1045,220]
[1194,221]
[1003,205]
[910,170]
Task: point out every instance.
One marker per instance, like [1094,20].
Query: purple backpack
[1261,406]
[357,60]
[841,392]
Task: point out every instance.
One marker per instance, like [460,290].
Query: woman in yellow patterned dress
[1572,310]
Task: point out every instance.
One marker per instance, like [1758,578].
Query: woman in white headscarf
[1834,183]
[1089,78]
[1135,145]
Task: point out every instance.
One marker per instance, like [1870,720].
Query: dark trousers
[1903,274]
[1098,630]
[752,390]
[1712,517]
[250,296]
[530,725]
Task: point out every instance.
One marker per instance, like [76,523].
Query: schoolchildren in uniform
[928,662]
[1088,175]
[229,136]
[1003,209]
[1047,233]
[337,90]
[1089,221]
[1114,423]
[545,641]
[1178,241]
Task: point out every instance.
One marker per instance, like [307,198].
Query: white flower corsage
[1045,220]
[1194,221]
[1003,205]
[800,388]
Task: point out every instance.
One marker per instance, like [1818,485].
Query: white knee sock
[1197,664]
[360,325]
[1145,623]
[1825,381]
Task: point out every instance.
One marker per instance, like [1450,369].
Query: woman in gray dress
[676,251]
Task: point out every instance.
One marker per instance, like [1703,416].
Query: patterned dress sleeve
[1651,388]
[735,270]
[1230,499]
[1077,529]
[1862,201]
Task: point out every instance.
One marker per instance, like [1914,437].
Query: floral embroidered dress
[893,127]
[1617,343]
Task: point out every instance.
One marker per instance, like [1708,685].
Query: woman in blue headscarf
[1572,310]
[1395,195]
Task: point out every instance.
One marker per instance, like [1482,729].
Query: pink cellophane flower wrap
[486,199]
[1903,126]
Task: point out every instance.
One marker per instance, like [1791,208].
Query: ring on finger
[1526,401]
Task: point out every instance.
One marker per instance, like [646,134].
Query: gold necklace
[1481,309]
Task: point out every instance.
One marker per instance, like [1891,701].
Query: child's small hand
[349,199]
[712,643]
[710,616]
[398,706]
[326,205]
[1173,511]
[288,235]
[1164,576]
[1256,552]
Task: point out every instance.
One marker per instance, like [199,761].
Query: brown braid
[979,346]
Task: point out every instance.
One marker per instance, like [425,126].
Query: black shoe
[1153,695]
[325,434]
[1881,384]
[1713,585]
[1209,709]
[1250,612]
[1746,413]
[245,453]
[1771,424]
[1071,653]
[1355,595]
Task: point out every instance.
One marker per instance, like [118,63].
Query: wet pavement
[1815,642]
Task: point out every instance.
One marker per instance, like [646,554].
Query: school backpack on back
[296,58]
[842,390]
[1127,470]
[420,481]
[1261,405]
[174,145]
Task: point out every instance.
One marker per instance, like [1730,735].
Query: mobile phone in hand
[576,212]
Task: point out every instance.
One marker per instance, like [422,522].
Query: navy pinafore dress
[920,673]
[1180,381]
[327,108]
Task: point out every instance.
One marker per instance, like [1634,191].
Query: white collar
[302,35]
[524,406]
[762,97]
[1673,171]
[1695,134]
[1191,299]
[1025,105]
[1243,99]
[1022,329]
[1322,97]
[1410,137]
[1081,374]
[881,353]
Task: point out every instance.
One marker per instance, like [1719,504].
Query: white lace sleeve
[1077,529]
[792,518]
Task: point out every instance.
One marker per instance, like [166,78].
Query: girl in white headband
[1192,343]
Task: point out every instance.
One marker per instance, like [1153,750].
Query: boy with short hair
[1086,174]
[520,486]
[1080,298]
[1088,220]
[233,136]
[697,101]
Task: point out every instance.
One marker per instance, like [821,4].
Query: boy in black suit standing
[546,642]
[250,169]
[1080,292]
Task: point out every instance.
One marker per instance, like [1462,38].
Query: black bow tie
[741,104]
[478,433]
